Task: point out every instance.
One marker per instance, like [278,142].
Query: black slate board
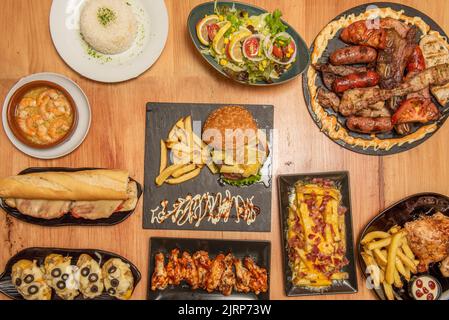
[260,251]
[160,118]
[341,179]
[68,219]
[39,254]
[408,209]
[336,43]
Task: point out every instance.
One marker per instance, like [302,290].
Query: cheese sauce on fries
[329,123]
[316,234]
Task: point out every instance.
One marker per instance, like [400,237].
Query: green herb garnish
[243,182]
[105,16]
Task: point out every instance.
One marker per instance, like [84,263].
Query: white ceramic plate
[84,117]
[152,18]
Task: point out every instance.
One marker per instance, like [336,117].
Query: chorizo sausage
[356,80]
[369,125]
[353,55]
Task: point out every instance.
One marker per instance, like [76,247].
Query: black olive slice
[112,269]
[65,276]
[29,278]
[85,271]
[61,285]
[115,283]
[55,273]
[33,289]
[94,289]
[111,291]
[93,277]
[18,282]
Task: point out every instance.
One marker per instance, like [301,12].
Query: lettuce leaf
[242,182]
[274,22]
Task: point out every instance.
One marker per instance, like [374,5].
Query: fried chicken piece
[259,276]
[227,281]
[328,99]
[203,264]
[189,270]
[159,280]
[243,277]
[215,274]
[429,239]
[174,268]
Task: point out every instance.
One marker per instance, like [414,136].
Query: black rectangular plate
[68,219]
[260,251]
[286,182]
[39,254]
[160,118]
[408,209]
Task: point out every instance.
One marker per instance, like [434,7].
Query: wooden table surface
[116,138]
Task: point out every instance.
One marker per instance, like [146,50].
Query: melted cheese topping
[329,123]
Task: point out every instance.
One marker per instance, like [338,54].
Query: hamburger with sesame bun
[238,147]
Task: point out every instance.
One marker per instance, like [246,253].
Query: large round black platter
[39,254]
[408,209]
[68,219]
[337,43]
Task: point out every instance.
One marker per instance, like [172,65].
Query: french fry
[394,229]
[388,289]
[180,123]
[407,261]
[379,244]
[163,163]
[406,248]
[381,257]
[397,280]
[372,268]
[183,170]
[186,177]
[396,240]
[400,267]
[374,235]
[165,174]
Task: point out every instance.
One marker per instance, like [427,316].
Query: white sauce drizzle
[212,208]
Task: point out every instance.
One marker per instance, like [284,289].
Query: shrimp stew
[44,116]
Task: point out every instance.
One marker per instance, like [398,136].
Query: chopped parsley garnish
[105,16]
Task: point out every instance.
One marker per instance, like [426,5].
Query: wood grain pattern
[116,139]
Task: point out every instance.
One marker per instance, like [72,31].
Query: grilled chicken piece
[174,268]
[202,263]
[259,276]
[227,281]
[429,239]
[215,274]
[357,99]
[444,267]
[189,271]
[159,280]
[243,277]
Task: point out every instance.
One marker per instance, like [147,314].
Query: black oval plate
[341,179]
[68,219]
[302,59]
[337,43]
[260,251]
[408,209]
[39,254]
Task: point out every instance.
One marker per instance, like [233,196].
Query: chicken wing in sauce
[174,268]
[243,277]
[227,282]
[189,270]
[217,269]
[202,263]
[159,280]
[259,276]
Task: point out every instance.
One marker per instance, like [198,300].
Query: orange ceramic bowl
[14,102]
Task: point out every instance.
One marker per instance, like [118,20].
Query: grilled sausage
[369,125]
[365,32]
[356,80]
[353,55]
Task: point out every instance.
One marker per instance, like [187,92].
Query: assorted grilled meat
[225,273]
[380,82]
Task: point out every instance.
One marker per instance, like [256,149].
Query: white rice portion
[115,37]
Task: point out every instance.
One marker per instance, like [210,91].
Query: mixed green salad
[249,48]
